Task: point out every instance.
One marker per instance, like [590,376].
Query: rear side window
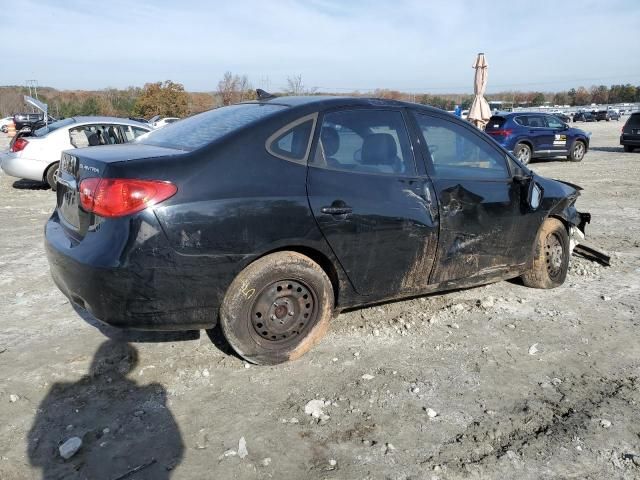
[95,134]
[367,141]
[458,153]
[293,141]
[199,130]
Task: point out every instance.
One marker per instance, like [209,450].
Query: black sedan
[584,117]
[270,216]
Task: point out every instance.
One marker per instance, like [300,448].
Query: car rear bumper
[129,284]
[632,140]
[21,167]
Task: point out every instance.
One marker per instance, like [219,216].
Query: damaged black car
[270,216]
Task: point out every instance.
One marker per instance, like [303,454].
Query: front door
[479,202]
[370,201]
[559,142]
[540,134]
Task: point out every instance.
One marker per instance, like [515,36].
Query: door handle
[336,210]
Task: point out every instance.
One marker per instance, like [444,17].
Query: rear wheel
[277,308]
[578,151]
[628,148]
[522,152]
[52,176]
[550,262]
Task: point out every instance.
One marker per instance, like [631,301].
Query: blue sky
[411,45]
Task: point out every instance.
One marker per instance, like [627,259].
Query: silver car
[37,157]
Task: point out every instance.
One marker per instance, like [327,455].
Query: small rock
[294,420]
[265,462]
[533,349]
[356,354]
[458,307]
[606,298]
[389,448]
[605,423]
[455,325]
[69,448]
[334,359]
[511,326]
[205,372]
[367,376]
[487,302]
[242,448]
[333,462]
[228,453]
[578,448]
[556,381]
[431,413]
[314,408]
[376,332]
[415,390]
[246,365]
[105,431]
[13,398]
[69,427]
[138,413]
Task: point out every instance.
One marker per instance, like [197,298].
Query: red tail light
[118,197]
[501,133]
[19,145]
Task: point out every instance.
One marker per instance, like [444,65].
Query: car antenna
[262,95]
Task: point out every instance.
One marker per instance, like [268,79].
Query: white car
[163,122]
[37,157]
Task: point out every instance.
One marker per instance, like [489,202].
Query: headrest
[330,141]
[379,149]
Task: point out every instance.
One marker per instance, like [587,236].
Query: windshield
[199,130]
[41,132]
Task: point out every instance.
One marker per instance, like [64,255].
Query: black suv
[31,120]
[630,138]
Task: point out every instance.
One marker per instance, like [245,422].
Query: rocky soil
[498,382]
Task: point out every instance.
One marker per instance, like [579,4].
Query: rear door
[479,202]
[540,134]
[371,202]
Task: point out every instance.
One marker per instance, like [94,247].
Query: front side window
[536,121]
[554,122]
[367,141]
[458,153]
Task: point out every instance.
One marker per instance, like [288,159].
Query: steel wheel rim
[554,255]
[578,150]
[55,175]
[282,313]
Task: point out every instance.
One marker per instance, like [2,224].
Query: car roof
[326,101]
[103,119]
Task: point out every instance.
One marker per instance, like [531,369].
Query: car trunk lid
[93,162]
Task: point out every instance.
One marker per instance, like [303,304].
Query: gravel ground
[500,381]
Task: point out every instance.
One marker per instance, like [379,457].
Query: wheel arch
[322,259]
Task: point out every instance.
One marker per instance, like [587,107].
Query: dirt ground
[498,382]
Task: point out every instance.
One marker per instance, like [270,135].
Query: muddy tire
[578,151]
[522,152]
[52,176]
[550,263]
[277,308]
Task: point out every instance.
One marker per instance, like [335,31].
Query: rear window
[495,123]
[634,120]
[199,130]
[42,131]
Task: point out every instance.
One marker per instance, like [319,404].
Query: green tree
[537,99]
[167,99]
[561,98]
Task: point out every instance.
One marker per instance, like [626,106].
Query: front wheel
[52,176]
[277,308]
[523,153]
[628,148]
[550,263]
[578,151]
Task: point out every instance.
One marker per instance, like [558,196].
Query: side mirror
[565,126]
[534,197]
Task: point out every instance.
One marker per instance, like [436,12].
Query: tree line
[169,98]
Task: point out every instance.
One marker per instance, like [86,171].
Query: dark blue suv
[538,135]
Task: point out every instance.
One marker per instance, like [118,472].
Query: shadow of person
[126,429]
